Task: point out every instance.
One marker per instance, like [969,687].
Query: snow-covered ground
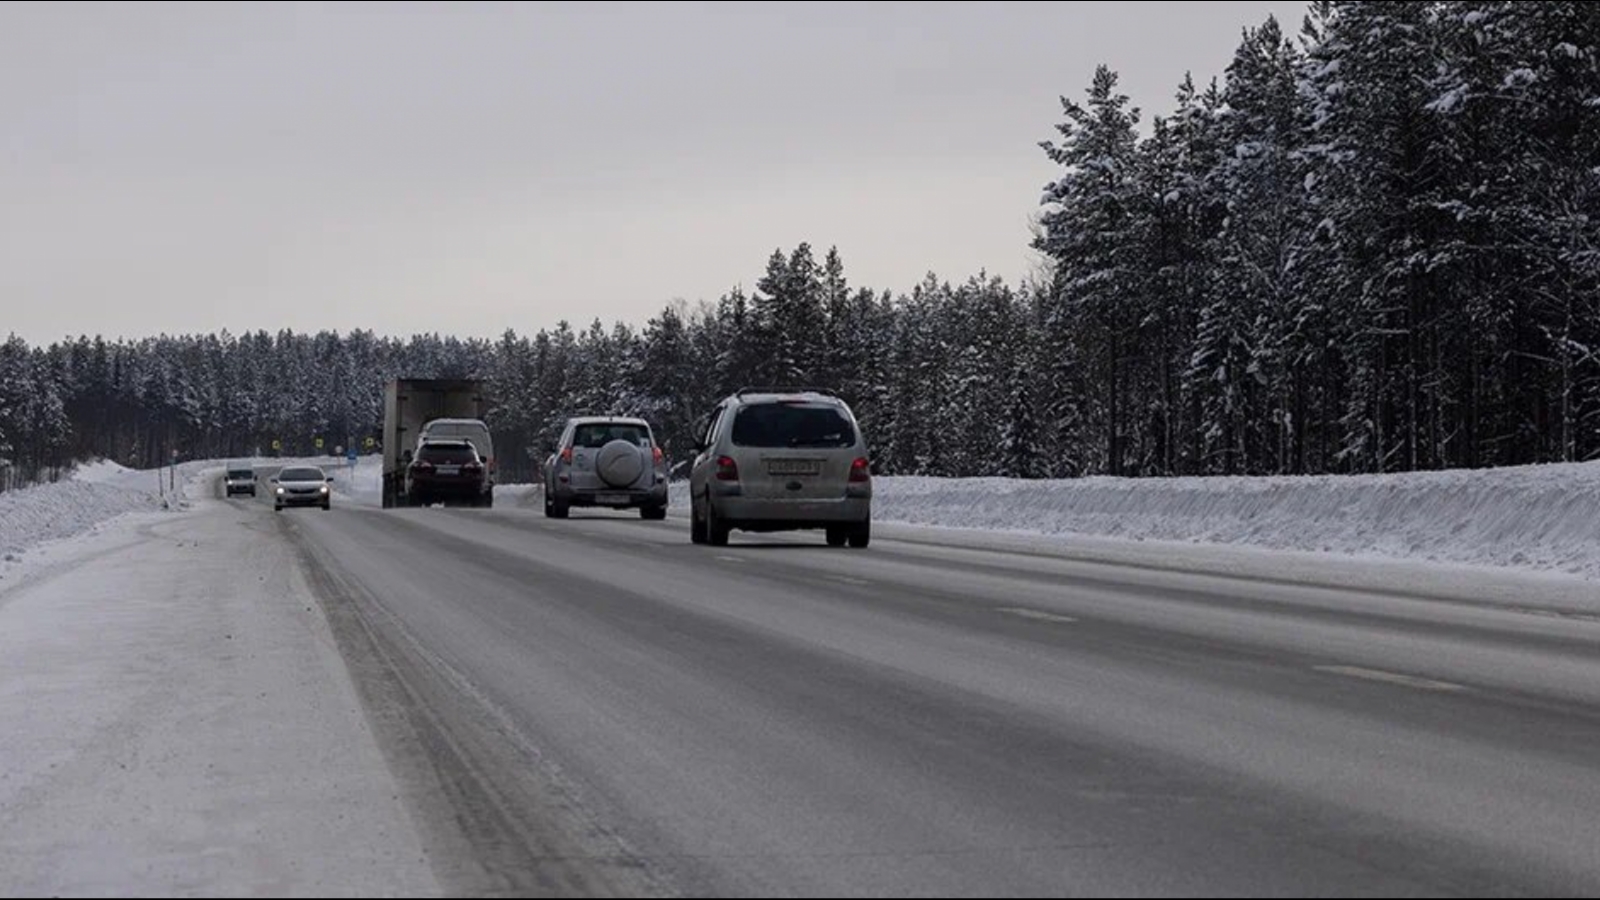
[176,718]
[1542,519]
[91,497]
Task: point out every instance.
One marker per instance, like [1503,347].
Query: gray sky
[468,168]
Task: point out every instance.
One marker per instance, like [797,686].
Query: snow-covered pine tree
[1091,233]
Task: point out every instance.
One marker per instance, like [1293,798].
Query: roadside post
[352,457]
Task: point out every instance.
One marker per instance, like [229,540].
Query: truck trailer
[409,404]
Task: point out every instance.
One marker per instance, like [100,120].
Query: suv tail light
[422,465]
[660,457]
[566,456]
[861,472]
[727,469]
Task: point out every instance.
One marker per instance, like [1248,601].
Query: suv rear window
[595,437]
[790,425]
[449,456]
[241,475]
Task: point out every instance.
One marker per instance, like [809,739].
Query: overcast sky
[469,168]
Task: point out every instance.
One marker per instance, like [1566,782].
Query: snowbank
[1544,519]
[101,472]
[93,495]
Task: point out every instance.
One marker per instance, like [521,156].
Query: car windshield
[448,456]
[302,475]
[793,425]
[594,437]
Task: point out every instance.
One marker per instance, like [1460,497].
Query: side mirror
[330,481]
[274,481]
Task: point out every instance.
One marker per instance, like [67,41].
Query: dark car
[449,472]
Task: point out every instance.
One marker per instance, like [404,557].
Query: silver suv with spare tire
[773,460]
[606,463]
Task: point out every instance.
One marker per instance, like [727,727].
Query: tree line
[1368,247]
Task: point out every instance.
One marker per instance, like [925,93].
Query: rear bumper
[590,499]
[792,515]
[464,489]
[241,489]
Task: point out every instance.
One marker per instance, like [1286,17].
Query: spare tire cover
[620,464]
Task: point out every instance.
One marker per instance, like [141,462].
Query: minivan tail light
[727,469]
[861,472]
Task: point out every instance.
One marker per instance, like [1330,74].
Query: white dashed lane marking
[1406,681]
[1034,615]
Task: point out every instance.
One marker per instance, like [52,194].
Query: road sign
[319,443]
[352,455]
[371,443]
[277,446]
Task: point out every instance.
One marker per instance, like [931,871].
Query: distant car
[772,460]
[302,486]
[608,464]
[474,431]
[240,481]
[445,471]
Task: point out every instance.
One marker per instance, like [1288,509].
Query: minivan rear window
[795,426]
[595,437]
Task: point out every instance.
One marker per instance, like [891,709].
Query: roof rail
[824,392]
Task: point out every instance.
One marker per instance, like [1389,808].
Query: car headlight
[326,491]
[281,492]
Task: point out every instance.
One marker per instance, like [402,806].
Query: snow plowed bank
[98,494]
[1544,518]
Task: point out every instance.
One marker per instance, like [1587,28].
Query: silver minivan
[773,461]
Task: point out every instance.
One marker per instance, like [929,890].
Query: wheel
[717,534]
[560,510]
[327,507]
[838,537]
[861,538]
[697,526]
[488,500]
[653,513]
[276,508]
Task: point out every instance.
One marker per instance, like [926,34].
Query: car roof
[476,423]
[449,444]
[604,420]
[761,399]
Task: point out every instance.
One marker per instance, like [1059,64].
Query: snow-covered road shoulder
[176,719]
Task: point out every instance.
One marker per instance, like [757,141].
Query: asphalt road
[596,706]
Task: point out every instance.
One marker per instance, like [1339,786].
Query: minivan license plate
[794,467]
